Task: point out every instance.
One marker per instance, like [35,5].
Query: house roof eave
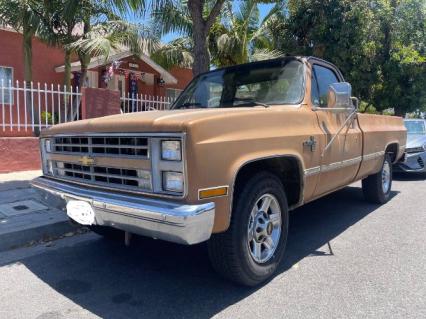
[99,61]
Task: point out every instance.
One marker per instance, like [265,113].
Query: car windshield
[415,127]
[264,83]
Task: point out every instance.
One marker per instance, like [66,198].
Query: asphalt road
[345,259]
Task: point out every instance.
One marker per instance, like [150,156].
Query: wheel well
[287,169]
[392,150]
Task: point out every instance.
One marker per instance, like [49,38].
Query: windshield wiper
[251,101]
[187,104]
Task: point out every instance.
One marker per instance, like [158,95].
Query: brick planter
[19,154]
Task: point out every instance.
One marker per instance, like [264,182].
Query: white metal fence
[32,107]
[143,102]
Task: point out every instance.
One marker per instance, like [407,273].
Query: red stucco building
[47,62]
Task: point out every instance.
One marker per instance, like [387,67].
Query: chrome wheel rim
[386,177]
[264,228]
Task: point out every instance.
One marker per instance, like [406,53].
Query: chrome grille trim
[415,149]
[111,146]
[124,178]
[156,164]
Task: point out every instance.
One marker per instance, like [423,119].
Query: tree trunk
[27,47]
[28,53]
[84,57]
[200,32]
[201,51]
[67,74]
[84,64]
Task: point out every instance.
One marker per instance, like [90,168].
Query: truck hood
[150,121]
[416,140]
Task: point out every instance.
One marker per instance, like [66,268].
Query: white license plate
[81,211]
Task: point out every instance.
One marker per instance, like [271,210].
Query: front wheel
[377,187]
[249,252]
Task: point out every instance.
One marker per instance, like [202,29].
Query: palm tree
[193,19]
[91,28]
[19,15]
[235,37]
[243,37]
[106,37]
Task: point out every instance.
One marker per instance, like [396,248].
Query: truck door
[340,163]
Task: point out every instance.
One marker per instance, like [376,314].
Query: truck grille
[414,149]
[116,177]
[113,146]
[421,163]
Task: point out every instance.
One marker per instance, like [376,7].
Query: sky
[263,8]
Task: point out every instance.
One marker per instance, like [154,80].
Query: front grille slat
[113,146]
[116,177]
[414,149]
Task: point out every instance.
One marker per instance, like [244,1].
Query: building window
[173,93]
[6,80]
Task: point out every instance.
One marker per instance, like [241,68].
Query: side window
[314,90]
[324,77]
[6,79]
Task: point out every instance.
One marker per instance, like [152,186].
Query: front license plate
[80,211]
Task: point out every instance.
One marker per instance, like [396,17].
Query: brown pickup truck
[239,149]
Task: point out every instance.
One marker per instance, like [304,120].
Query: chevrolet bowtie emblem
[87,161]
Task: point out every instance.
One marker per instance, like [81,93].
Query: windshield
[269,83]
[415,127]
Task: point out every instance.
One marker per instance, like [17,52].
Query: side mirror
[339,96]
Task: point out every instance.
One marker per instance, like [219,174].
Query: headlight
[171,150]
[173,182]
[49,166]
[48,146]
[60,166]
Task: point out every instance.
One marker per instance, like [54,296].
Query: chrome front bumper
[175,222]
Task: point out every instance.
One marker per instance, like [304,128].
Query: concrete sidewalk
[25,216]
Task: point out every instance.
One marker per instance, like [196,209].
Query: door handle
[311,143]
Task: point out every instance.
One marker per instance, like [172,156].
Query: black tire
[108,232]
[372,186]
[229,251]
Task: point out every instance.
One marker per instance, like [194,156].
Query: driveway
[345,259]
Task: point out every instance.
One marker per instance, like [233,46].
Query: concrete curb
[31,235]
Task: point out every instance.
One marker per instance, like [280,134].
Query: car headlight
[48,145]
[173,182]
[48,168]
[171,150]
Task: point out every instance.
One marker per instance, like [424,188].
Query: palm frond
[109,37]
[172,17]
[265,54]
[175,53]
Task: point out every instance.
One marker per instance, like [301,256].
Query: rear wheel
[251,249]
[377,187]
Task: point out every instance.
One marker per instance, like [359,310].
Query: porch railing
[144,102]
[31,107]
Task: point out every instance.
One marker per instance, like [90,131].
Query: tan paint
[219,142]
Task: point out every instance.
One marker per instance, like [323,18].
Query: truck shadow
[409,176]
[153,279]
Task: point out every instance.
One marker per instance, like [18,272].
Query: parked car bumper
[414,162]
[171,221]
